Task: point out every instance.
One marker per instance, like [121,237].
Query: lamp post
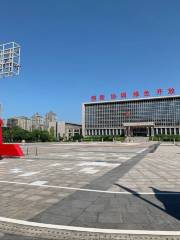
[9,66]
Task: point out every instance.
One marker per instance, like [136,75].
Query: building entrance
[139,129]
[140,132]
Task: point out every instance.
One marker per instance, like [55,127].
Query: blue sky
[72,49]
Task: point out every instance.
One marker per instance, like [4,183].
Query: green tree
[16,134]
[77,137]
[44,136]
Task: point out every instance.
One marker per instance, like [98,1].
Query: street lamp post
[9,66]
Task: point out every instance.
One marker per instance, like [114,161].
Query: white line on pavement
[28,174]
[93,190]
[38,183]
[83,229]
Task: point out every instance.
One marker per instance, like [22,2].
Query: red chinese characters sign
[101,97]
[93,98]
[136,94]
[113,96]
[171,91]
[159,91]
[123,95]
[146,93]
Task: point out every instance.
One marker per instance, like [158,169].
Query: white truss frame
[9,59]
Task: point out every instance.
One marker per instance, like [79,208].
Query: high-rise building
[37,122]
[51,123]
[22,122]
[12,122]
[25,123]
[50,116]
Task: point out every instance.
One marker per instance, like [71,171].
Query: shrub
[165,138]
[103,138]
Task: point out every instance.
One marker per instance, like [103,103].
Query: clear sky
[72,49]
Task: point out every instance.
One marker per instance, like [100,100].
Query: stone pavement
[144,212]
[158,211]
[109,186]
[160,170]
[36,184]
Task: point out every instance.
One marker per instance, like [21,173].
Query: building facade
[22,122]
[67,130]
[132,117]
[51,123]
[12,122]
[37,122]
[25,123]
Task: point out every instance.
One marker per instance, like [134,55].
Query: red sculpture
[9,150]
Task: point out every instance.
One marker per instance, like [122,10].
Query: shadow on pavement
[170,200]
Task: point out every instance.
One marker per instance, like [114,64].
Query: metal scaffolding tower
[9,59]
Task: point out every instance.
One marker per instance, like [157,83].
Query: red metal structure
[9,150]
[9,66]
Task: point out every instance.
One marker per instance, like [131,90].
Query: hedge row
[103,138]
[163,137]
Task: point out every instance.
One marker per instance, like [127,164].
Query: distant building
[51,123]
[67,130]
[25,123]
[50,116]
[12,122]
[22,122]
[38,122]
[4,122]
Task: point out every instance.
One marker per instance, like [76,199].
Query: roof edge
[132,99]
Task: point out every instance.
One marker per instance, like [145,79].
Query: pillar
[147,131]
[129,132]
[161,130]
[152,132]
[126,132]
[165,131]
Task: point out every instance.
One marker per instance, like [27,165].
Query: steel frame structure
[9,59]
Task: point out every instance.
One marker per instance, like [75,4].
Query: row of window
[117,132]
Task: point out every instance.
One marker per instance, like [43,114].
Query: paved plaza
[126,186]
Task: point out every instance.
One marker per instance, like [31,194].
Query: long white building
[132,117]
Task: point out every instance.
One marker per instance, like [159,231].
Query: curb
[49,231]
